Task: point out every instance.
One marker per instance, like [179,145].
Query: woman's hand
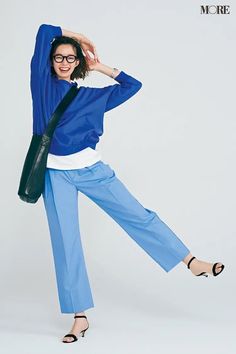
[86,45]
[92,63]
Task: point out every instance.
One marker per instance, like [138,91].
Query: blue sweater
[81,125]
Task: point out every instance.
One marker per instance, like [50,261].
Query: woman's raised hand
[92,63]
[88,47]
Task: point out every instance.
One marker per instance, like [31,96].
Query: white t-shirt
[80,159]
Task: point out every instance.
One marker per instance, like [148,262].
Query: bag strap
[72,92]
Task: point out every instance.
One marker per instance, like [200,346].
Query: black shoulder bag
[33,173]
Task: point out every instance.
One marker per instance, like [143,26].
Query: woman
[60,57]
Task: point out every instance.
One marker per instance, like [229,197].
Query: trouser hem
[75,310]
[173,265]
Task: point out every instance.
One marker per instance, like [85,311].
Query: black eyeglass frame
[65,56]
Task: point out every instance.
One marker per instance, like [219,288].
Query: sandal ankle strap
[78,316]
[190,261]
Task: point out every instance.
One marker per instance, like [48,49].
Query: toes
[67,339]
[219,267]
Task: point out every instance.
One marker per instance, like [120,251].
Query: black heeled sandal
[73,335]
[213,269]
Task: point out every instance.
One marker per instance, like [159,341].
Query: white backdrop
[172,144]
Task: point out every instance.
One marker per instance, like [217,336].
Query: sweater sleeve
[40,60]
[118,93]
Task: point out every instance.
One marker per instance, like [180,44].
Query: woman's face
[64,69]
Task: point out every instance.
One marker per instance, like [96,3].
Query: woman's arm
[107,70]
[40,58]
[102,68]
[118,93]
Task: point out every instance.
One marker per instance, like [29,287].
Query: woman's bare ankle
[187,258]
[79,313]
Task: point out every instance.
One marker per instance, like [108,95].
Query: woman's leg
[100,183]
[61,203]
[143,225]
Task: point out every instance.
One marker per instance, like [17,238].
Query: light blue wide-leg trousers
[100,183]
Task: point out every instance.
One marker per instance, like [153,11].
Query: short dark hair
[81,70]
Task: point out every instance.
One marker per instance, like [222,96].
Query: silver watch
[113,72]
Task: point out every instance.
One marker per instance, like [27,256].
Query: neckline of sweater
[65,81]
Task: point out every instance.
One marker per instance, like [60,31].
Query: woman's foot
[197,266]
[78,326]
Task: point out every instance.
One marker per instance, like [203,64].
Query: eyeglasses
[69,58]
